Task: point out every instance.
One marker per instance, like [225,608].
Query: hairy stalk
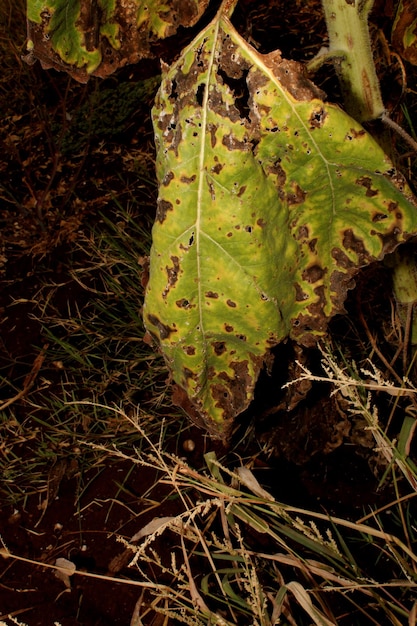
[350,51]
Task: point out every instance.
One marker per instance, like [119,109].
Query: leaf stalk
[351,53]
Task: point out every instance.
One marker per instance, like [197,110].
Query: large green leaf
[269,202]
[96,37]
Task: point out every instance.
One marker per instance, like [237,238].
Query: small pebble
[188,445]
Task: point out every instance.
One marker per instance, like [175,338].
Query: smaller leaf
[248,479]
[303,598]
[404,32]
[152,527]
[86,38]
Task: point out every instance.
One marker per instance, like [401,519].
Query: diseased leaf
[269,202]
[96,37]
[404,31]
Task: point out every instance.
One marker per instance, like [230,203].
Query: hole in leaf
[200,94]
[240,91]
[174,92]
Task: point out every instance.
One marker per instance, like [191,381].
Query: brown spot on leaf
[217,104]
[391,239]
[231,60]
[183,303]
[313,274]
[317,118]
[279,172]
[365,181]
[173,271]
[232,304]
[351,242]
[293,76]
[211,189]
[188,179]
[162,208]
[379,217]
[297,196]
[190,350]
[219,347]
[167,178]
[180,398]
[354,134]
[228,328]
[232,143]
[261,222]
[241,191]
[216,169]
[300,295]
[163,329]
[212,129]
[303,232]
[341,258]
[233,396]
[211,294]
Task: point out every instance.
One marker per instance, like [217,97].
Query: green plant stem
[350,51]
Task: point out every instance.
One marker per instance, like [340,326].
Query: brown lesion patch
[183,303]
[169,176]
[187,180]
[341,258]
[162,208]
[172,275]
[303,233]
[313,245]
[351,242]
[232,304]
[212,129]
[317,118]
[212,294]
[276,170]
[233,392]
[173,271]
[392,206]
[378,217]
[216,169]
[293,77]
[313,274]
[163,329]
[233,143]
[190,350]
[391,239]
[219,347]
[300,295]
[365,181]
[354,134]
[296,196]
